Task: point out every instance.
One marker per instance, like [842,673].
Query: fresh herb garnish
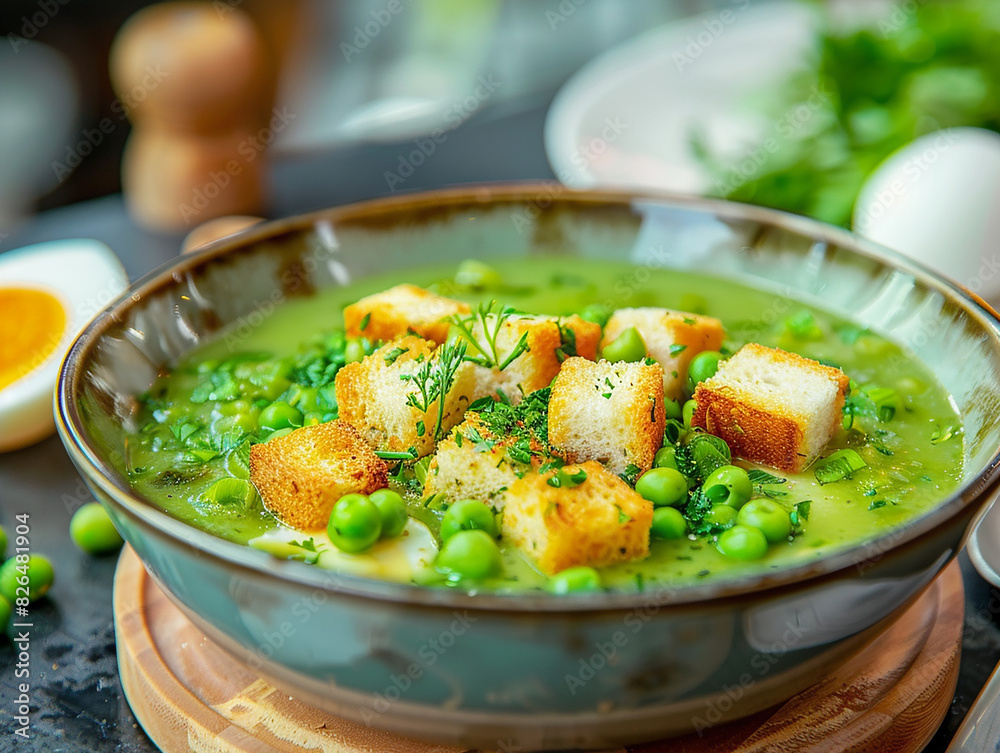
[392,355]
[708,452]
[764,483]
[563,479]
[490,319]
[525,424]
[410,454]
[567,346]
[943,435]
[434,379]
[839,465]
[631,474]
[800,512]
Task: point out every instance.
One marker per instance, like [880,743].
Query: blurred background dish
[697,78]
[796,106]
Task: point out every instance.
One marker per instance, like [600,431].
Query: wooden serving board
[189,694]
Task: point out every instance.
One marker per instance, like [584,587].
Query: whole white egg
[937,200]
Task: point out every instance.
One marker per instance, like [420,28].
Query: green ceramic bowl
[531,672]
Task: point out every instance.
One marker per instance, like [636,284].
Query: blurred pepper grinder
[192,78]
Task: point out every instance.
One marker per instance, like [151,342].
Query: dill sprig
[434,379]
[491,317]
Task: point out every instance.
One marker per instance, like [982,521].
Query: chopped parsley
[631,474]
[839,465]
[563,479]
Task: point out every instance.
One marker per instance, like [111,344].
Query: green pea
[688,412]
[470,554]
[628,346]
[280,416]
[309,401]
[92,530]
[468,515]
[743,543]
[235,408]
[246,423]
[5,612]
[722,516]
[208,365]
[736,487]
[668,523]
[909,386]
[474,274]
[673,409]
[354,351]
[39,573]
[596,313]
[662,486]
[392,509]
[666,457]
[703,366]
[3,544]
[272,389]
[770,517]
[575,580]
[312,419]
[277,435]
[355,523]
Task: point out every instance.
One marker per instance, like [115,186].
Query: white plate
[626,119]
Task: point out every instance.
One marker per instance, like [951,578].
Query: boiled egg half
[48,293]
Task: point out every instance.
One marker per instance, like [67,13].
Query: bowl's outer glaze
[511,673]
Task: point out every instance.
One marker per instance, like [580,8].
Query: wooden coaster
[189,694]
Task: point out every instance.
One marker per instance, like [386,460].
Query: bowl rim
[483,195]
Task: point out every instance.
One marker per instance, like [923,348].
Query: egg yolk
[32,323]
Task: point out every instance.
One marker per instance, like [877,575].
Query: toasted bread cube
[672,339]
[584,337]
[472,463]
[599,522]
[373,397]
[609,412]
[531,370]
[301,475]
[402,310]
[771,406]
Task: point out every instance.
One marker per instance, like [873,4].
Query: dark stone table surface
[77,704]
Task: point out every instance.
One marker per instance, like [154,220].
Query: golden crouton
[599,522]
[771,406]
[402,310]
[374,396]
[532,370]
[472,463]
[672,339]
[609,412]
[585,337]
[301,475]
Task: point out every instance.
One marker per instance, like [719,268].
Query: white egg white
[84,275]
